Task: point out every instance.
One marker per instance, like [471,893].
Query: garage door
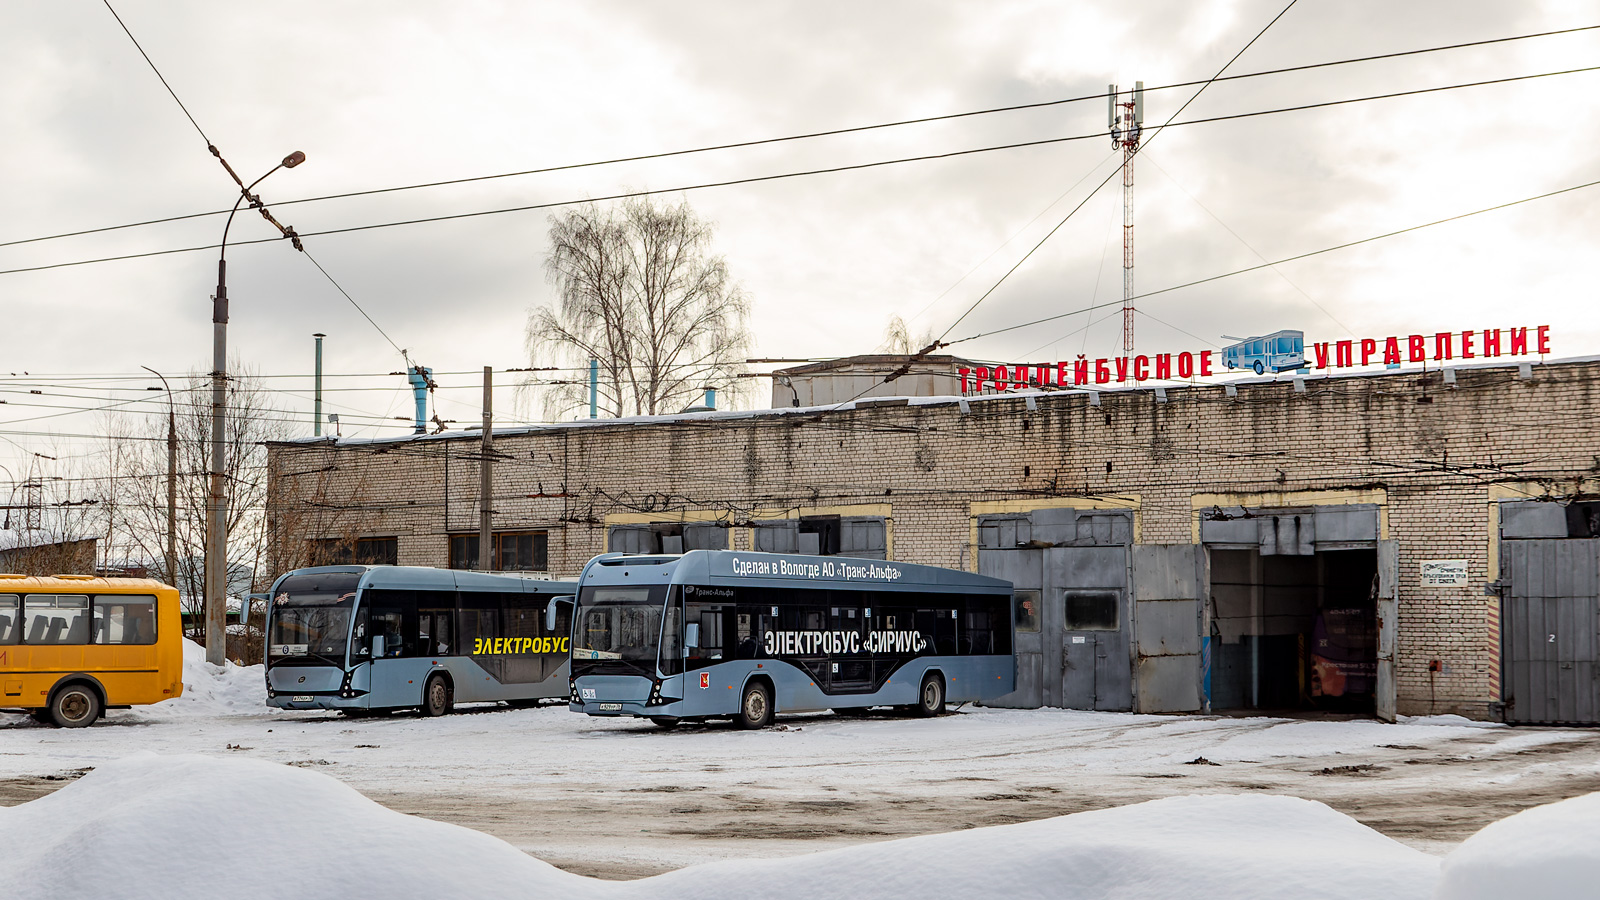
[1551,620]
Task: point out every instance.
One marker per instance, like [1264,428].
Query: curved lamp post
[216,583]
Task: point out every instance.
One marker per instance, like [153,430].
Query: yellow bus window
[55,618]
[124,619]
[10,619]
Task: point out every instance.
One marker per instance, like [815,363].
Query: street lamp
[172,480]
[216,587]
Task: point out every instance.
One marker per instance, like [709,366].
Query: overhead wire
[730,145]
[1258,255]
[255,202]
[1287,259]
[1136,149]
[757,179]
[939,341]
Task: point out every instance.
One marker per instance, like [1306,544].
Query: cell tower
[1126,120]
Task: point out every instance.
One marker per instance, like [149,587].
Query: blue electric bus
[361,638]
[720,633]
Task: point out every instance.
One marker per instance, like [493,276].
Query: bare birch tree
[640,290]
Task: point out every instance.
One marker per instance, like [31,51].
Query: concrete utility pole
[216,576]
[485,479]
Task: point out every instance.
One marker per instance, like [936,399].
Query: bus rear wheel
[755,708]
[75,706]
[930,700]
[436,696]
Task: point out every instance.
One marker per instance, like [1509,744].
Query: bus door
[850,672]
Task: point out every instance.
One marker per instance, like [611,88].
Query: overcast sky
[379,94]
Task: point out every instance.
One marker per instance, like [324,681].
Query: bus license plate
[611,707]
[303,698]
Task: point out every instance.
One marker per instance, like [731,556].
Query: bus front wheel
[755,709]
[75,706]
[436,696]
[1260,369]
[664,721]
[930,700]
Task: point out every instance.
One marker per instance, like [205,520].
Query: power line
[353,302]
[1286,259]
[938,341]
[158,75]
[1135,151]
[803,136]
[808,172]
[255,202]
[1256,253]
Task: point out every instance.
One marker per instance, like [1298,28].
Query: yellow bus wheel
[75,706]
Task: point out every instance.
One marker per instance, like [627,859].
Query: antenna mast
[1126,121]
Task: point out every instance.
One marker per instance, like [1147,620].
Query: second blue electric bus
[720,633]
[359,638]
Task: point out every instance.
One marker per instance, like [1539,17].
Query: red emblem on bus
[705,679]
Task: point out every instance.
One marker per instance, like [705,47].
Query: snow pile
[1238,847]
[1547,851]
[130,828]
[154,827]
[210,690]
[1450,720]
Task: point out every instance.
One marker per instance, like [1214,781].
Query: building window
[521,551]
[378,551]
[667,537]
[859,536]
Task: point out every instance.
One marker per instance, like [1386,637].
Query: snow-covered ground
[131,828]
[622,798]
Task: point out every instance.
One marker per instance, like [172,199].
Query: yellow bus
[72,646]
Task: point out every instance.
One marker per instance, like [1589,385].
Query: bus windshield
[618,623]
[311,617]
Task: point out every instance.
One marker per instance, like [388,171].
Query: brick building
[1401,542]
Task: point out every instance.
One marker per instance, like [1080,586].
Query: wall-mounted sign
[1443,346]
[1444,573]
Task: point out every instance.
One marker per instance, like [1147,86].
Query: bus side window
[709,618]
[976,637]
[393,614]
[124,619]
[939,627]
[10,618]
[56,618]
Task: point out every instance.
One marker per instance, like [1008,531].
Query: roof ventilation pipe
[421,378]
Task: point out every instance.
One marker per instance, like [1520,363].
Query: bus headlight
[655,694]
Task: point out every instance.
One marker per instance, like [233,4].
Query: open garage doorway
[1294,632]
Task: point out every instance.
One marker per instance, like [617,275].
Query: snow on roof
[33,538]
[1242,378]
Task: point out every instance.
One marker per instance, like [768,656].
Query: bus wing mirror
[377,646]
[550,612]
[691,635]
